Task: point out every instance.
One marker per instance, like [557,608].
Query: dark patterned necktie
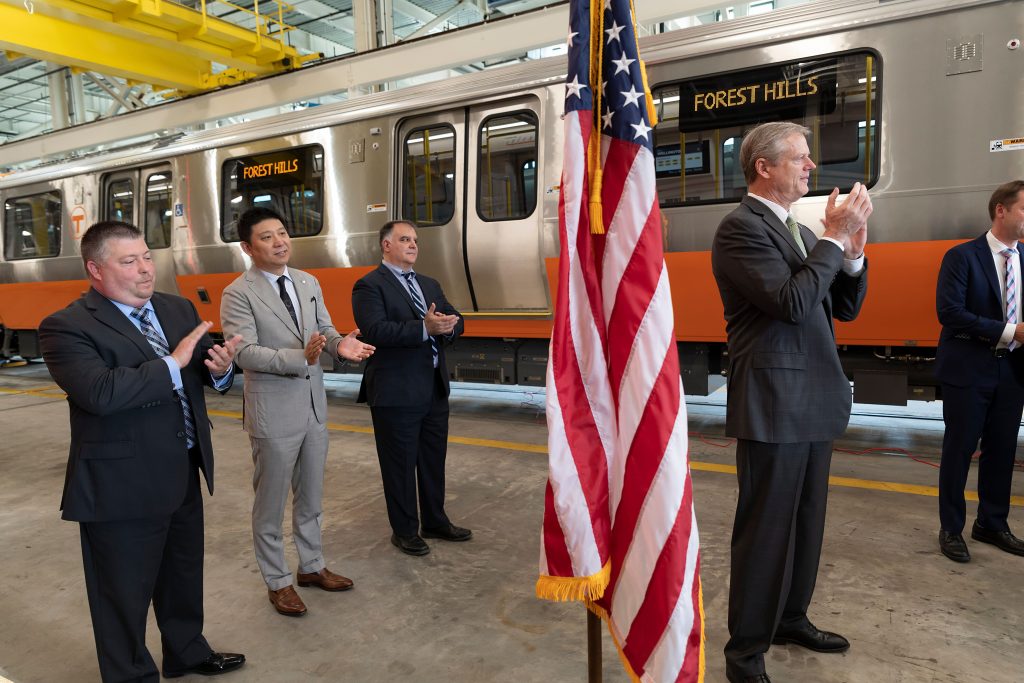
[159,344]
[288,301]
[421,307]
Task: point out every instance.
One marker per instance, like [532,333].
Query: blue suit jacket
[970,308]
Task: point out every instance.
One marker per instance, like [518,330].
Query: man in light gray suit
[280,314]
[788,398]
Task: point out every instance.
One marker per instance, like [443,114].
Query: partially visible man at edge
[133,363]
[788,397]
[980,365]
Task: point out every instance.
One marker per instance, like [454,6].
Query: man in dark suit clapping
[133,363]
[788,398]
[406,316]
[980,365]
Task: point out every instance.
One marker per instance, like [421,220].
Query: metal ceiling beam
[441,18]
[491,40]
[162,43]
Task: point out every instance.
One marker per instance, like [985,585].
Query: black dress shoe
[1003,540]
[953,546]
[812,638]
[449,533]
[410,545]
[214,665]
[735,677]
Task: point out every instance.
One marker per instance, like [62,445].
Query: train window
[429,181]
[507,167]
[121,201]
[701,123]
[157,210]
[290,182]
[32,226]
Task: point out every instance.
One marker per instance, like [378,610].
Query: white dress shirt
[289,287]
[1000,262]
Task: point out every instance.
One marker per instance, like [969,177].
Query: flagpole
[594,674]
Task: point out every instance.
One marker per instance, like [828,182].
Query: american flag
[619,529]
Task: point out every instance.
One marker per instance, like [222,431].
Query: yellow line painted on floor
[52,391]
[846,482]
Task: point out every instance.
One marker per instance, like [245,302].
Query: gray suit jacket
[786,384]
[280,389]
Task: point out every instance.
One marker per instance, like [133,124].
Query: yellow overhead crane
[166,44]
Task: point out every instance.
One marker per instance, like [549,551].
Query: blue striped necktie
[421,307]
[1011,293]
[159,344]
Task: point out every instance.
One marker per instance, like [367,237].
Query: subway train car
[920,99]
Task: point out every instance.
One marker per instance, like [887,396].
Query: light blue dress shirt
[172,365]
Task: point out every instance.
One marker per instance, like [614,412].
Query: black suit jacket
[401,371]
[128,456]
[969,303]
[786,384]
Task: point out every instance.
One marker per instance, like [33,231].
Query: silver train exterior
[912,97]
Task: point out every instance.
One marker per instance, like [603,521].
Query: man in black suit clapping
[788,398]
[406,316]
[133,363]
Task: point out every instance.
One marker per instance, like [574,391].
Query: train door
[142,197]
[431,194]
[503,225]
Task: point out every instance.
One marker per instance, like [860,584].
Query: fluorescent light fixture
[439,136]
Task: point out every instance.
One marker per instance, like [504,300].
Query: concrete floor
[467,612]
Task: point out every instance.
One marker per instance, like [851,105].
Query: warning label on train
[1006,145]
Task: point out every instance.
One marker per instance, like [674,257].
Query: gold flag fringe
[701,664]
[578,588]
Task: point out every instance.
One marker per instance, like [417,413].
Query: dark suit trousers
[989,412]
[128,564]
[412,442]
[776,543]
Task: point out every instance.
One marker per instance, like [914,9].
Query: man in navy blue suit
[980,365]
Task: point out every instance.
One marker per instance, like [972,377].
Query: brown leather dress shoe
[325,579]
[287,602]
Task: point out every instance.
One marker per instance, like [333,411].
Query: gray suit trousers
[297,462]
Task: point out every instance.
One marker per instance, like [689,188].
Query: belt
[1000,353]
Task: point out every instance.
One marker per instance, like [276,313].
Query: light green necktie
[794,230]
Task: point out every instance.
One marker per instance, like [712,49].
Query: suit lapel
[403,291]
[108,314]
[984,255]
[169,323]
[265,292]
[769,217]
[304,291]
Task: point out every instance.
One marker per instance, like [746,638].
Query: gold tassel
[652,113]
